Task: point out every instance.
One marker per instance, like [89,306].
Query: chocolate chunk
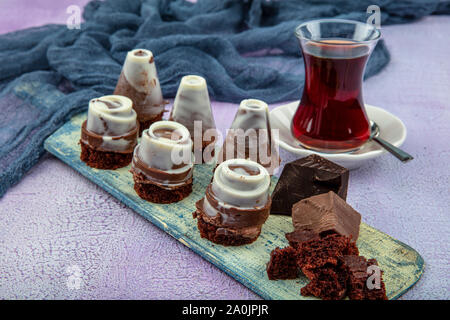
[308,177]
[296,237]
[326,213]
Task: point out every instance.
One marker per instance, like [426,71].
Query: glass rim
[343,21]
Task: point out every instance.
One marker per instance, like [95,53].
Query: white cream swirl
[241,183]
[252,114]
[111,116]
[139,70]
[166,146]
[192,103]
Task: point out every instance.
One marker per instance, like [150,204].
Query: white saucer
[392,129]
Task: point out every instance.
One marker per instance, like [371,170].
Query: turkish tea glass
[331,116]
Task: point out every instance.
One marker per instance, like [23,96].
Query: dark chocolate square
[308,177]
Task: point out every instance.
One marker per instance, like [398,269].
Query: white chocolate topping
[241,183]
[140,71]
[192,103]
[166,146]
[111,116]
[251,114]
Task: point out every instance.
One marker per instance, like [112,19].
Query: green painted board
[402,265]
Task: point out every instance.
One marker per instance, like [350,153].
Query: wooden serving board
[402,265]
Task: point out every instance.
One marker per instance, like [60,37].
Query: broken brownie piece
[317,253]
[376,294]
[308,177]
[320,259]
[282,264]
[356,268]
[328,284]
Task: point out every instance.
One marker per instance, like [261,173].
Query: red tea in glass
[331,116]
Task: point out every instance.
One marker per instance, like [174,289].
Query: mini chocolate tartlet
[162,164]
[139,82]
[236,203]
[192,108]
[250,136]
[110,133]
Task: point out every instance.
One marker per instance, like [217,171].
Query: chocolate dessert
[318,258]
[324,248]
[110,133]
[330,261]
[162,164]
[356,268]
[236,203]
[326,212]
[139,82]
[328,284]
[282,264]
[250,136]
[308,177]
[192,109]
[320,252]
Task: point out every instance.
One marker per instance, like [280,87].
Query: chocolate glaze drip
[140,53]
[167,133]
[110,104]
[142,173]
[97,141]
[244,170]
[231,216]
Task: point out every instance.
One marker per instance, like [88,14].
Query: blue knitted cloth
[243,49]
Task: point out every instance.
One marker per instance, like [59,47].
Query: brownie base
[208,231]
[153,193]
[329,283]
[146,124]
[282,264]
[104,159]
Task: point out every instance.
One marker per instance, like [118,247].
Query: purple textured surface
[58,231]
